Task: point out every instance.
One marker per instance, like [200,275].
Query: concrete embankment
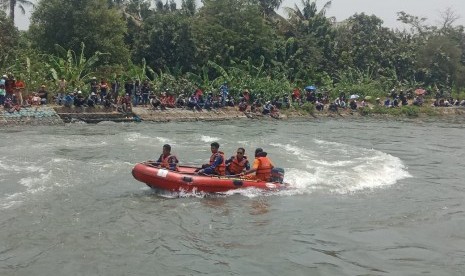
[178,114]
[42,115]
[56,115]
[92,114]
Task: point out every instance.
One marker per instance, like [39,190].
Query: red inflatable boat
[186,180]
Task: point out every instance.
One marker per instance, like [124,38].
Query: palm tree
[306,17]
[268,6]
[131,9]
[12,4]
[308,11]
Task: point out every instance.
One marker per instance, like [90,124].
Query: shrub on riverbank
[407,111]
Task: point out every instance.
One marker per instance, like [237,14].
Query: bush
[365,111]
[378,109]
[308,107]
[410,111]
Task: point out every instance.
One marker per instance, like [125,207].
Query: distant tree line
[244,42]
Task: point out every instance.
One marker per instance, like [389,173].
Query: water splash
[162,139]
[208,139]
[355,169]
[136,136]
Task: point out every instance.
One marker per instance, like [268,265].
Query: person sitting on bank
[217,164]
[79,99]
[193,103]
[168,160]
[35,99]
[242,105]
[68,100]
[238,163]
[262,167]
[126,103]
[43,94]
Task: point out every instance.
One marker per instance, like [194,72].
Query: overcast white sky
[384,9]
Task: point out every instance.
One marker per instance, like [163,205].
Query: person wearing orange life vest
[238,163]
[167,160]
[217,164]
[262,167]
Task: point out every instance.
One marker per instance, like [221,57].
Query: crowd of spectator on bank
[131,93]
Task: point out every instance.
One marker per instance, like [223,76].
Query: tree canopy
[9,37]
[68,23]
[234,39]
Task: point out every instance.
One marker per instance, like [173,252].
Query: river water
[367,197]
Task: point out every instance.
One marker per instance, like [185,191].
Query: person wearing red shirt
[19,89]
[296,95]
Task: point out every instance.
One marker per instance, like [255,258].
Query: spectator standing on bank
[2,94]
[94,85]
[137,94]
[103,90]
[10,86]
[3,80]
[62,84]
[20,86]
[129,87]
[145,92]
[224,89]
[115,87]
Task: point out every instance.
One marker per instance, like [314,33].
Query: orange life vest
[165,161]
[264,169]
[236,166]
[221,168]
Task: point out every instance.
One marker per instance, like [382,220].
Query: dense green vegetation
[244,42]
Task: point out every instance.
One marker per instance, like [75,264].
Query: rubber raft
[185,179]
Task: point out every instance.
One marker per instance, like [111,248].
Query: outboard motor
[277,175]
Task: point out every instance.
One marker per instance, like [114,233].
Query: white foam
[30,182]
[59,160]
[136,136]
[328,143]
[208,139]
[38,183]
[163,139]
[367,172]
[300,153]
[20,168]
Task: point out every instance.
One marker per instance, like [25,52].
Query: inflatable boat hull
[186,180]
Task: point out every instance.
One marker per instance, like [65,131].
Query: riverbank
[56,115]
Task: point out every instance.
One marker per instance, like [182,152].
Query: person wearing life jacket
[238,163]
[167,160]
[262,167]
[217,164]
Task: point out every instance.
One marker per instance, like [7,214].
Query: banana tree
[140,73]
[202,79]
[75,69]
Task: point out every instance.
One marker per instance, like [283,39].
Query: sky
[342,9]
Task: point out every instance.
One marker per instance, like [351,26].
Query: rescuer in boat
[167,160]
[238,163]
[262,167]
[217,164]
